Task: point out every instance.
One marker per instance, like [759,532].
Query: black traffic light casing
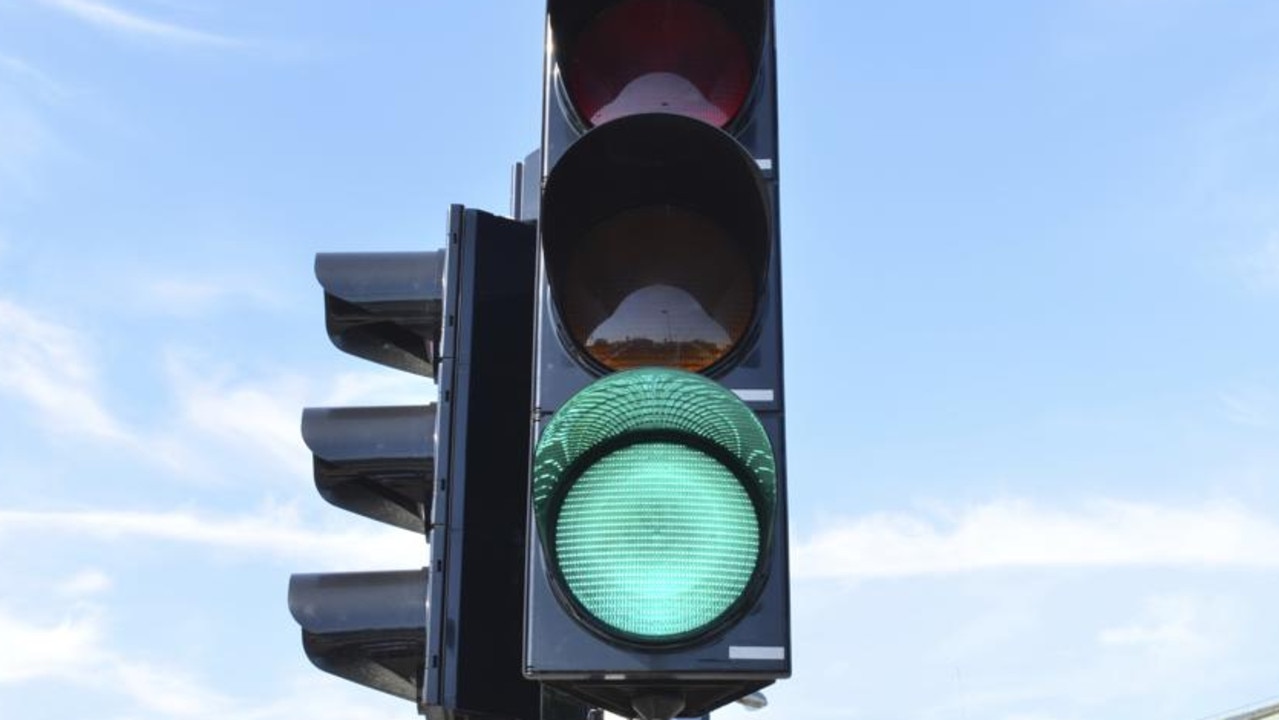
[446,636]
[757,373]
[728,174]
[378,462]
[364,627]
[477,543]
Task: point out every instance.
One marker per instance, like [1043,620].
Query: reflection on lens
[640,56]
[685,335]
[658,286]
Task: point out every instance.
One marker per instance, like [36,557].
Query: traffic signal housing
[445,636]
[657,567]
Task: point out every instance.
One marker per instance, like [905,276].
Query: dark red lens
[669,56]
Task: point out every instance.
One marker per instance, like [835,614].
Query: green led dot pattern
[657,540]
[658,537]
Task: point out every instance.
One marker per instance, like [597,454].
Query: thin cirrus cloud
[75,652]
[85,583]
[49,366]
[131,24]
[187,297]
[78,652]
[262,417]
[997,535]
[46,366]
[33,79]
[1005,534]
[272,532]
[26,139]
[59,649]
[1169,624]
[1253,407]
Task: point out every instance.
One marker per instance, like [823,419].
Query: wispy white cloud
[78,653]
[1169,625]
[40,83]
[380,387]
[29,100]
[1019,534]
[26,139]
[189,296]
[46,364]
[260,415]
[1251,407]
[58,649]
[272,532]
[264,415]
[131,24]
[86,582]
[168,691]
[75,652]
[50,366]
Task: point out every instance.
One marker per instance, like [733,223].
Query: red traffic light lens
[670,56]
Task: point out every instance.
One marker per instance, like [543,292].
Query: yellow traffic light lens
[656,235]
[658,286]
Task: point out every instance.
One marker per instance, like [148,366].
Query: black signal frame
[751,649]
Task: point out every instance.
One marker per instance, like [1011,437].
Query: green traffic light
[651,486]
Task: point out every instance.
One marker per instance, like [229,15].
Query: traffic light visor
[655,230]
[654,490]
[675,56]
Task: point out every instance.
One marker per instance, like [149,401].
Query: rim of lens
[644,407]
[656,232]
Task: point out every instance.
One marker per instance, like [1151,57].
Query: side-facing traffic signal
[446,636]
[657,570]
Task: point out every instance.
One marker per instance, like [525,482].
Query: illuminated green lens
[657,540]
[654,490]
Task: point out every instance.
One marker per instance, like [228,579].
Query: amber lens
[655,232]
[658,286]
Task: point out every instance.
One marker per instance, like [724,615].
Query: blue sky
[1031,257]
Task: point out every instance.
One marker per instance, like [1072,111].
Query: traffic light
[657,560]
[446,636]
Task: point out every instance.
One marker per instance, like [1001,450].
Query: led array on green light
[657,537]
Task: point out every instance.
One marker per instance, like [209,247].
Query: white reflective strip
[754,395]
[614,676]
[764,164]
[751,652]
